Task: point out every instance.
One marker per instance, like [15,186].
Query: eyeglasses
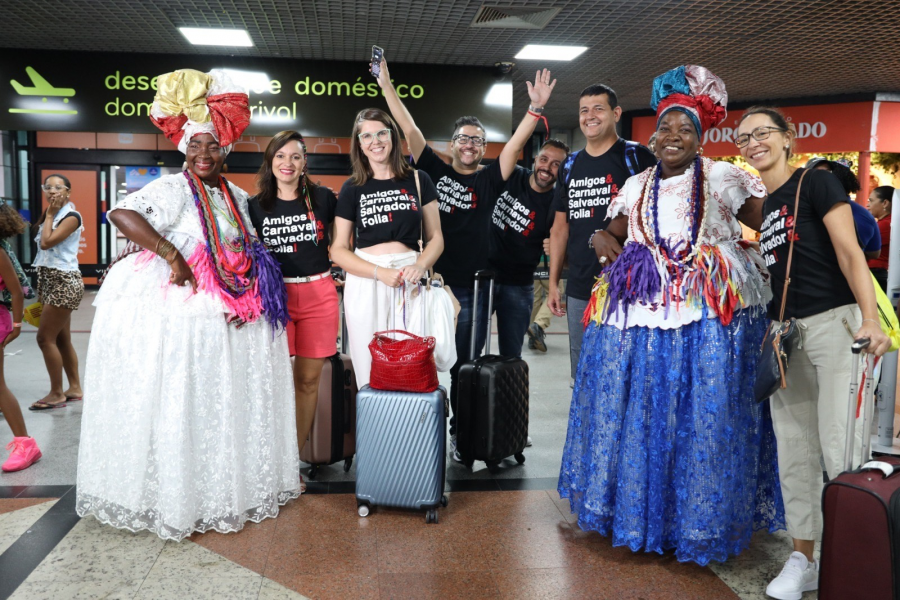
[53,188]
[367,139]
[759,134]
[465,139]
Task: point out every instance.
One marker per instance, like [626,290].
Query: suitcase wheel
[363,510]
[520,458]
[313,470]
[444,501]
[347,464]
[431,516]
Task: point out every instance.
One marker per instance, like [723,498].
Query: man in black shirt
[588,181]
[466,196]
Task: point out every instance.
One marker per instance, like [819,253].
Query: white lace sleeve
[735,185]
[160,202]
[628,195]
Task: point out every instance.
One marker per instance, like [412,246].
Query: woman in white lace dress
[190,424]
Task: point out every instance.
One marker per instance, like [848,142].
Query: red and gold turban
[189,103]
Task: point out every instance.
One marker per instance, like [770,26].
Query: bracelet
[17,325]
[535,109]
[873,320]
[375,273]
[534,114]
[164,248]
[591,239]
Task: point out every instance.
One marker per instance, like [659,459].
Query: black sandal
[41,405]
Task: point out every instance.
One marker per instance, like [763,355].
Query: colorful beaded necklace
[648,214]
[309,211]
[233,276]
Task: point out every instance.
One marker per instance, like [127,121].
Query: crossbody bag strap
[421,214]
[787,273]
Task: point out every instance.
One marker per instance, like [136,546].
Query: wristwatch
[536,109]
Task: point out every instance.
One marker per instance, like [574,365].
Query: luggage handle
[479,275]
[878,465]
[867,408]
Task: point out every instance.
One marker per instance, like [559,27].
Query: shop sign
[845,127]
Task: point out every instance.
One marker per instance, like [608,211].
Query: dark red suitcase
[861,510]
[492,423]
[332,437]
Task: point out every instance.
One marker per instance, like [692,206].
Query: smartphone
[377,55]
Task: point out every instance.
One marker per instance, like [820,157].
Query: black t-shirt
[817,283]
[593,182]
[386,210]
[299,245]
[521,220]
[466,202]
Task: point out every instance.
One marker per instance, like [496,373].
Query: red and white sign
[847,127]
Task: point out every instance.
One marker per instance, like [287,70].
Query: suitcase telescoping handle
[867,408]
[479,275]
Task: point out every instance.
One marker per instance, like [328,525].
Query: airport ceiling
[763,49]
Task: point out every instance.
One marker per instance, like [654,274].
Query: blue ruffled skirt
[667,448]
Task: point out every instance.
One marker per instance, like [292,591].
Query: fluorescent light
[500,94]
[201,36]
[538,52]
[256,81]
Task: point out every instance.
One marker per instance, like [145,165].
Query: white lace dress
[188,423]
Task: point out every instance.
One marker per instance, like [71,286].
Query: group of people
[60,289]
[666,304]
[667,448]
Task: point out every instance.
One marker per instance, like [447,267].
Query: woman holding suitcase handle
[383,206]
[830,292]
[293,218]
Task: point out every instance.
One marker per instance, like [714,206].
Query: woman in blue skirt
[666,447]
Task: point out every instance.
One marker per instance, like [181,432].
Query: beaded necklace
[231,276]
[648,215]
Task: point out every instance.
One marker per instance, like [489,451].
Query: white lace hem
[115,515]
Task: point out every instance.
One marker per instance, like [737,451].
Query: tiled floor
[505,534]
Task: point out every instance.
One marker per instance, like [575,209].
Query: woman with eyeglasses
[832,297]
[390,211]
[60,289]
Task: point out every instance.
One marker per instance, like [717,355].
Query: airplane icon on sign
[41,87]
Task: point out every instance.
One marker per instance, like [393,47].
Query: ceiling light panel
[201,36]
[541,52]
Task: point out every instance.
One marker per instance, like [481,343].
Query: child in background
[25,451]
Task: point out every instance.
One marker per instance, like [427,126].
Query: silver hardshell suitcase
[401,450]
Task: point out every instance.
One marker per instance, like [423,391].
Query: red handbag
[402,365]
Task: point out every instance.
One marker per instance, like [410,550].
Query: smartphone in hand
[377,55]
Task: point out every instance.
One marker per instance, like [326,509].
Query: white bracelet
[375,274]
[872,320]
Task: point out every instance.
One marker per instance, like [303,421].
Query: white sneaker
[528,442]
[454,454]
[798,576]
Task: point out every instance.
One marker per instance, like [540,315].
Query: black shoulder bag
[772,365]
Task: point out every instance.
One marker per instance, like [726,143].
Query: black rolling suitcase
[492,401]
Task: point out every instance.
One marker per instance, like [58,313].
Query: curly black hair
[11,222]
[846,176]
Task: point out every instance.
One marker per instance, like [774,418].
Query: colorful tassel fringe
[723,277]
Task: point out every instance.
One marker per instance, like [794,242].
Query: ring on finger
[603,260]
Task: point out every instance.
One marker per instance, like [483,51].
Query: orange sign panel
[843,127]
